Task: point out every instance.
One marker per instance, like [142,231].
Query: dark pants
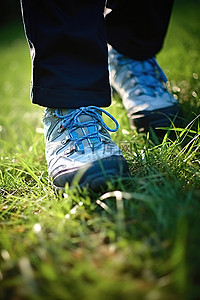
[68,43]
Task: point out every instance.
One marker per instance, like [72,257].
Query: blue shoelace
[147,77]
[71,122]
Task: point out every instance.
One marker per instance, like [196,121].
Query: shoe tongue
[65,111]
[144,66]
[82,117]
[85,130]
[148,66]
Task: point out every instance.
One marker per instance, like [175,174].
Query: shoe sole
[142,121]
[94,175]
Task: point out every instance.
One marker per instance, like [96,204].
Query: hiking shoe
[79,149]
[142,87]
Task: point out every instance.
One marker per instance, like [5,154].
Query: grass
[139,241]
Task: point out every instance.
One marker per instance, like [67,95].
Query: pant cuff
[69,98]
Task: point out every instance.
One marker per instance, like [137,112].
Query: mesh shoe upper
[76,138]
[141,85]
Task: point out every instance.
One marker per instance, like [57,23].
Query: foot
[79,148]
[142,87]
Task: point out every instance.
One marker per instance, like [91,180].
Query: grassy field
[138,241]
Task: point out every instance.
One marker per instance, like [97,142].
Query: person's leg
[137,28]
[69,52]
[70,77]
[136,33]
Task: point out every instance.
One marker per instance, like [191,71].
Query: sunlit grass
[137,241]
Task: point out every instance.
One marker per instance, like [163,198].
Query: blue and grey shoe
[79,148]
[142,87]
